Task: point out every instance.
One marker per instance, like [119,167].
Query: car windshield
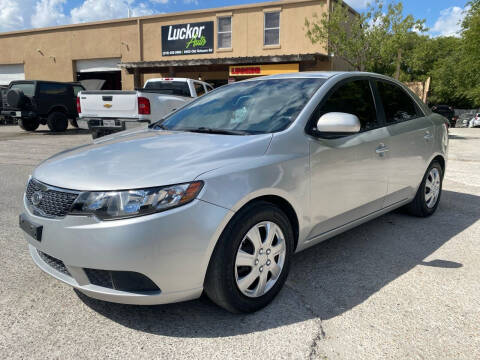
[249,107]
[179,88]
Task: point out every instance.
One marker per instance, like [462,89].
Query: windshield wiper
[206,130]
[157,126]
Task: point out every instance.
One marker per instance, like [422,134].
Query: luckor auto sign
[187,39]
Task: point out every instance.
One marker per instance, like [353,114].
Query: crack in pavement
[320,334]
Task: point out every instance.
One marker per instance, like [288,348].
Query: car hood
[146,158]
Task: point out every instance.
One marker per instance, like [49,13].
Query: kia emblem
[37,198]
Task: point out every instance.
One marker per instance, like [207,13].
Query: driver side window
[355,98]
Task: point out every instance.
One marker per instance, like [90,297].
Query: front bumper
[171,248]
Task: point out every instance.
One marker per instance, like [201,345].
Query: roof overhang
[145,65]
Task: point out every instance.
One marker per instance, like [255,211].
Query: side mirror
[338,122]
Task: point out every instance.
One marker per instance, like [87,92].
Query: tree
[375,40]
[469,76]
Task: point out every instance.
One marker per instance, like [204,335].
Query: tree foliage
[371,41]
[384,40]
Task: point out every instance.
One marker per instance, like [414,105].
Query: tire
[57,121]
[29,124]
[420,206]
[224,274]
[74,123]
[15,98]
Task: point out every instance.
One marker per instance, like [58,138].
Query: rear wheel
[428,195]
[28,124]
[251,260]
[57,121]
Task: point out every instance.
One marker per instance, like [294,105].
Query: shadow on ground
[325,280]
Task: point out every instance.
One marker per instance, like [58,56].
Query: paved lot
[397,287]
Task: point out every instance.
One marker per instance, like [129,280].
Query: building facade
[214,45]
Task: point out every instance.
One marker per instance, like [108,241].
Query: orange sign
[259,70]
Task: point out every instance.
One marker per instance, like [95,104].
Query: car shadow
[325,280]
[66,132]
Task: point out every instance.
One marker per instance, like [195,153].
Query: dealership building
[215,45]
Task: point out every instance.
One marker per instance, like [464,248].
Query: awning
[144,65]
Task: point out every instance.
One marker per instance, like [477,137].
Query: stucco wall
[50,54]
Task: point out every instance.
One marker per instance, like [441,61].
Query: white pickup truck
[105,112]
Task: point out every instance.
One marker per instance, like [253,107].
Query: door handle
[382,149]
[428,136]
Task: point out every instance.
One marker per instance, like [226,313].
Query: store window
[271,33]
[224,34]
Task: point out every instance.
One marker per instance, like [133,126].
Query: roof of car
[319,75]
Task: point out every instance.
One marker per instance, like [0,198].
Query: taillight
[143,106]
[79,107]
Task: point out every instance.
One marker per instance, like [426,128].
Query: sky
[442,16]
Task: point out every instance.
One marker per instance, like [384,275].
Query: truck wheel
[74,123]
[28,124]
[57,121]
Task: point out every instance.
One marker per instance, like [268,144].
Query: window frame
[419,112]
[225,32]
[274,28]
[310,128]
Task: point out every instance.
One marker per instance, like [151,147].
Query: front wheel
[251,260]
[428,195]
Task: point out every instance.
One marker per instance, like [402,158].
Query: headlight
[123,204]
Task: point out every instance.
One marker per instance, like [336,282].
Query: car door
[348,177]
[409,144]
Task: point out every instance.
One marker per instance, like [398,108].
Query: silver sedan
[218,196]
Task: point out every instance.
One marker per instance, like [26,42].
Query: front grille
[54,202]
[54,263]
[121,280]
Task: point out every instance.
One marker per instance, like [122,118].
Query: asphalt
[396,287]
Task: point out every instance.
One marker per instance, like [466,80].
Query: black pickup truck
[42,102]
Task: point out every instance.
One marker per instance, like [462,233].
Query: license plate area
[32,229]
[111,123]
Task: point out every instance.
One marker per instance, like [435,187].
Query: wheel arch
[283,205]
[58,108]
[441,160]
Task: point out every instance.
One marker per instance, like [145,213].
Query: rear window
[53,89]
[179,88]
[27,88]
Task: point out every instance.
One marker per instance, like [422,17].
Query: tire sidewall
[29,124]
[429,211]
[232,240]
[57,121]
